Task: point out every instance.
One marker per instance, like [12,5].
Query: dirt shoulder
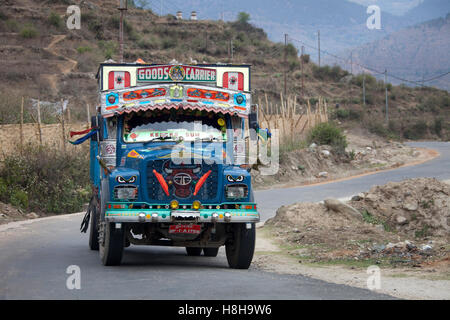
[366,154]
[405,283]
[403,228]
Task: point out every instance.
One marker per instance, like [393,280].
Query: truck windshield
[174,125]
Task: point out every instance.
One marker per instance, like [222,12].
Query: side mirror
[253,122]
[97,121]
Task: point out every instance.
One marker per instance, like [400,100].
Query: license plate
[185,229]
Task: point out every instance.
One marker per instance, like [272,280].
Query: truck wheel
[193,251]
[111,244]
[240,249]
[93,231]
[210,252]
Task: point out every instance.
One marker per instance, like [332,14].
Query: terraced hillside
[41,59]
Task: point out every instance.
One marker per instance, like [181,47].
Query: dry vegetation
[399,224]
[27,28]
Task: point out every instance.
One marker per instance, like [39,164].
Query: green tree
[243,17]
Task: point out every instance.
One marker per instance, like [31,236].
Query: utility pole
[351,62]
[303,75]
[318,39]
[122,7]
[285,64]
[387,103]
[364,88]
[231,49]
[160,8]
[206,41]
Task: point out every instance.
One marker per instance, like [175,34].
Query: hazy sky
[398,7]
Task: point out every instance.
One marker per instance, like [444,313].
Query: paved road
[35,256]
[439,168]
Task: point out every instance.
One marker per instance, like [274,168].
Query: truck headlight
[125,192]
[236,191]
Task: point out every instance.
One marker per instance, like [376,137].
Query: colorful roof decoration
[175,96]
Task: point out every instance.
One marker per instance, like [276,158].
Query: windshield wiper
[207,140]
[161,138]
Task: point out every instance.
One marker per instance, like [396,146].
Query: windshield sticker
[134,154]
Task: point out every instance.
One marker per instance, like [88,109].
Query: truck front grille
[181,180]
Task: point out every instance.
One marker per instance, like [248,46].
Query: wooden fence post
[68,115]
[63,127]
[39,122]
[21,127]
[88,112]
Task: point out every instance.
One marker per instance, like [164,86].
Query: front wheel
[111,243]
[93,232]
[240,248]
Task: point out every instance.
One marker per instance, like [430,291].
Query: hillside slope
[41,59]
[412,53]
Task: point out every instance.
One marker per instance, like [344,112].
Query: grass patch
[370,218]
[424,232]
[45,180]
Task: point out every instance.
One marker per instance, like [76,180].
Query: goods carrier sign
[176,73]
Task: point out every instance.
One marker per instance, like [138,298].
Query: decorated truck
[168,161]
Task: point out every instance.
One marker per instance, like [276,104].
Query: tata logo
[182,179]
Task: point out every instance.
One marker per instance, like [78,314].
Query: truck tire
[93,231]
[111,245]
[193,251]
[210,252]
[240,249]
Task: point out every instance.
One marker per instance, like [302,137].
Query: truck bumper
[176,216]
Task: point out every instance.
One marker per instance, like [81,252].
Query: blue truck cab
[168,163]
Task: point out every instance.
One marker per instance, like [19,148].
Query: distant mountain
[417,52]
[428,10]
[397,7]
[342,23]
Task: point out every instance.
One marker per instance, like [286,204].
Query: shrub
[84,49]
[379,129]
[109,48]
[96,26]
[343,114]
[291,51]
[12,25]
[293,64]
[45,180]
[416,131]
[28,32]
[55,20]
[437,126]
[370,81]
[329,134]
[19,199]
[168,43]
[326,72]
[305,58]
[114,22]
